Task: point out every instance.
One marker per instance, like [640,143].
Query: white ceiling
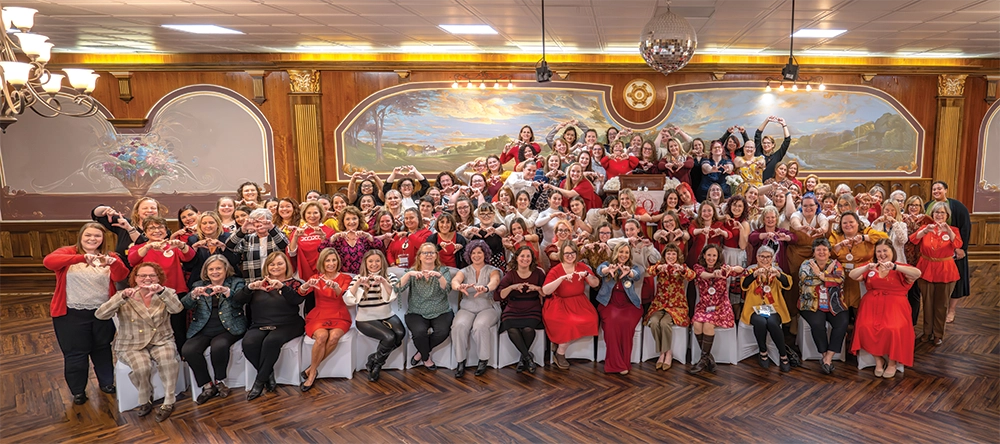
[957,28]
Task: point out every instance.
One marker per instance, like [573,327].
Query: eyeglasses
[156,228]
[562,230]
[428,253]
[146,276]
[602,233]
[568,253]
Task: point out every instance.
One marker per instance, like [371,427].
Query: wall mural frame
[177,156]
[905,162]
[986,199]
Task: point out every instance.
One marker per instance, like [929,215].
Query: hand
[959,254]
[885,266]
[314,281]
[155,288]
[221,289]
[197,292]
[247,226]
[177,243]
[128,292]
[256,285]
[275,284]
[815,267]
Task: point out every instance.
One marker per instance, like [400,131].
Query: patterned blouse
[812,284]
[426,297]
[670,293]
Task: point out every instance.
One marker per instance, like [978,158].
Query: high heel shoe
[531,363]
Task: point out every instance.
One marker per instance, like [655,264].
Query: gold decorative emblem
[951,85]
[303,80]
[639,94]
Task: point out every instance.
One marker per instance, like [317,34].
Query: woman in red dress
[707,229]
[577,185]
[448,241]
[303,245]
[713,309]
[515,150]
[568,314]
[402,249]
[619,162]
[330,320]
[619,307]
[669,306]
[938,272]
[883,326]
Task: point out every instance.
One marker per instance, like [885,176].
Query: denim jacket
[608,285]
[230,311]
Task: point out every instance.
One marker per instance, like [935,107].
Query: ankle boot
[460,369]
[706,350]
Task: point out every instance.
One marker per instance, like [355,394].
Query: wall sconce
[479,81]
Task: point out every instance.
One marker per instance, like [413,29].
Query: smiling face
[780,171]
[939,192]
[385,223]
[523,201]
[707,213]
[526,135]
[240,217]
[277,268]
[647,151]
[560,146]
[493,164]
[367,203]
[715,192]
[428,256]
[478,256]
[563,231]
[809,206]
[208,226]
[767,143]
[339,203]
[555,201]
[584,159]
[711,256]
[770,219]
[673,148]
[463,209]
[156,232]
[91,240]
[591,138]
[435,195]
[524,259]
[751,195]
[188,218]
[145,275]
[529,170]
[597,151]
[636,141]
[148,208]
[426,209]
[285,210]
[331,264]
[764,259]
[849,225]
[575,173]
[373,264]
[312,215]
[717,149]
[445,181]
[940,215]
[883,253]
[393,200]
[698,148]
[216,271]
[670,256]
[671,200]
[630,229]
[811,184]
[351,222]
[736,208]
[249,193]
[411,221]
[623,256]
[406,188]
[478,182]
[793,169]
[821,253]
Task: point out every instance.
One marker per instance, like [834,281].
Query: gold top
[952,85]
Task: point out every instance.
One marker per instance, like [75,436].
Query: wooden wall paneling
[975,111]
[984,242]
[279,114]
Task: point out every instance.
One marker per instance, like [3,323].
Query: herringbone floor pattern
[950,395]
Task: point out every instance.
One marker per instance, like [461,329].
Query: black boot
[706,344]
[255,391]
[370,363]
[531,363]
[460,369]
[481,368]
[271,385]
[377,360]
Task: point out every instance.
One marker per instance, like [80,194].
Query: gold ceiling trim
[507,62]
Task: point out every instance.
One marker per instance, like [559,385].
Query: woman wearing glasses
[568,314]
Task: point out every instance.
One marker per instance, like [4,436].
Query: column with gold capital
[307,120]
[948,134]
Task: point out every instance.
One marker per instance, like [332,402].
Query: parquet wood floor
[951,394]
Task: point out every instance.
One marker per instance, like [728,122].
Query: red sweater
[171,265]
[59,261]
[617,167]
[398,256]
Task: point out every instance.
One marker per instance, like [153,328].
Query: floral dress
[713,305]
[671,296]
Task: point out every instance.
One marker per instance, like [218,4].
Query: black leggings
[762,325]
[194,353]
[522,338]
[262,347]
[389,337]
[913,297]
[817,323]
[424,341]
[84,339]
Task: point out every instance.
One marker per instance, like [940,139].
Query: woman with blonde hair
[330,320]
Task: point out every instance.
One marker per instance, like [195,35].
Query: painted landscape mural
[834,132]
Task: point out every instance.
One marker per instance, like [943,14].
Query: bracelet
[132,230]
[894,265]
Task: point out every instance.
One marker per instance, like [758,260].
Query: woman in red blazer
[85,279]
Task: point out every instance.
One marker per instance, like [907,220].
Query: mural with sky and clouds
[834,132]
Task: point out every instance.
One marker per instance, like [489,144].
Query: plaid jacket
[247,248]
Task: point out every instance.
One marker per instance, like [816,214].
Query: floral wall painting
[987,195]
[200,142]
[846,130]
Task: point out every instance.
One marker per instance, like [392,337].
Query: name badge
[767,289]
[849,257]
[711,290]
[871,274]
[709,309]
[627,284]
[946,238]
[765,310]
[404,260]
[168,253]
[824,299]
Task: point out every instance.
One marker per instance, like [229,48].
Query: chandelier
[30,85]
[667,42]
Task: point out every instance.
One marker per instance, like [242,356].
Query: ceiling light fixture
[667,42]
[29,85]
[542,71]
[202,29]
[818,33]
[468,29]
[479,80]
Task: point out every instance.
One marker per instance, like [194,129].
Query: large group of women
[531,240]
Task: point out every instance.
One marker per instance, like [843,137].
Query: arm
[169,298]
[352,186]
[291,295]
[62,258]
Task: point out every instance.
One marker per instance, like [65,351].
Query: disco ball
[667,42]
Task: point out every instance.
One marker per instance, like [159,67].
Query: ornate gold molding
[124,85]
[951,85]
[304,81]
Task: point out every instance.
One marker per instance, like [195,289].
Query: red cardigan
[59,261]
